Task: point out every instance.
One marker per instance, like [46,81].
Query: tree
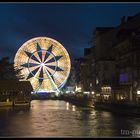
[8,71]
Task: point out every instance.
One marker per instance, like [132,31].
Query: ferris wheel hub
[42,64]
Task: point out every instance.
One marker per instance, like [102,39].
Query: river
[55,118]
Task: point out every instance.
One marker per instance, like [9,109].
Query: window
[123,78]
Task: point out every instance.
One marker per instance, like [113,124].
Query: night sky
[71,24]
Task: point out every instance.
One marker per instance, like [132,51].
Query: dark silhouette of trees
[7,70]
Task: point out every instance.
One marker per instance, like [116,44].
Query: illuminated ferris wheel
[44,62]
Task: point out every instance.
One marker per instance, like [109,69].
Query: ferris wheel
[44,62]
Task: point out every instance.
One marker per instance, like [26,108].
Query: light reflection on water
[54,118]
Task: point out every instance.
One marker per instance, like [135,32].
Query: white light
[86,92]
[106,88]
[73,107]
[106,95]
[42,64]
[67,91]
[138,92]
[67,106]
[33,92]
[41,91]
[97,81]
[92,92]
[78,89]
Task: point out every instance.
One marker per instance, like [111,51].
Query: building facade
[112,65]
[14,92]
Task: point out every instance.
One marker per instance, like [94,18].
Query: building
[84,71]
[79,73]
[126,52]
[112,65]
[117,60]
[13,92]
[104,65]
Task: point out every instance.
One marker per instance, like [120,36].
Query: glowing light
[73,107]
[86,92]
[106,88]
[97,81]
[78,89]
[7,100]
[122,97]
[67,106]
[106,95]
[138,92]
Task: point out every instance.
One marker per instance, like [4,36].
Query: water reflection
[61,119]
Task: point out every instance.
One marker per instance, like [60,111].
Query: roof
[15,85]
[102,30]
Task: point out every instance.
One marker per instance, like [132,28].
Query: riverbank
[130,109]
[15,104]
[86,100]
[78,99]
[6,104]
[124,108]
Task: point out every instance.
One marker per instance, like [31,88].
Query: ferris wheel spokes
[52,80]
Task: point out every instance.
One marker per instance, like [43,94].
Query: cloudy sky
[71,24]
